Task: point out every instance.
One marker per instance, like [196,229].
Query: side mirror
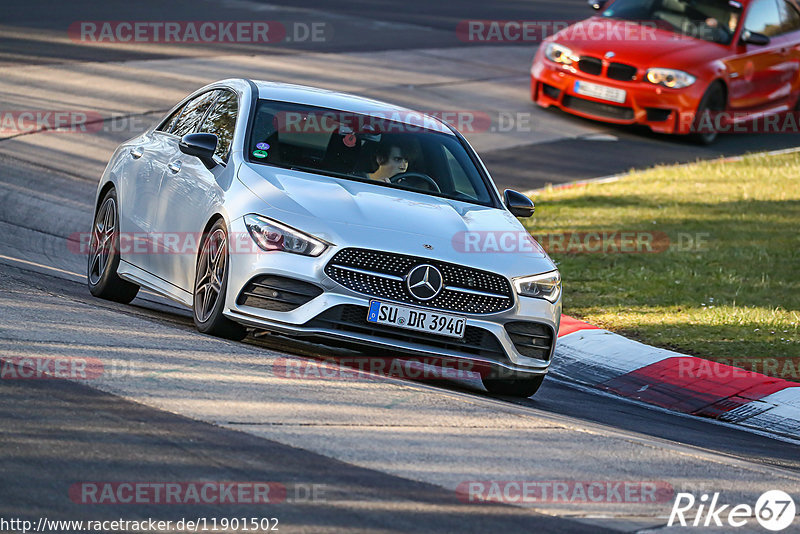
[754,38]
[518,204]
[598,5]
[200,145]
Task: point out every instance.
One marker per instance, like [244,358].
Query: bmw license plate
[602,92]
[432,322]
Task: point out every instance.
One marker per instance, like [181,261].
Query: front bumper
[663,110]
[322,317]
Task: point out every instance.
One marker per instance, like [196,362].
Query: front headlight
[540,286]
[674,79]
[560,54]
[273,236]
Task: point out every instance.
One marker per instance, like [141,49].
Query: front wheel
[103,259]
[211,286]
[712,103]
[513,387]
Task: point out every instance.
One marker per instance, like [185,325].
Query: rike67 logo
[774,510]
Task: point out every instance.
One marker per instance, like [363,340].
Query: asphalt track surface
[388,452]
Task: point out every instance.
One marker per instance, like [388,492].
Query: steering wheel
[405,176]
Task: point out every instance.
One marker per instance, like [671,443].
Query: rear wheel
[104,255]
[712,103]
[513,387]
[211,286]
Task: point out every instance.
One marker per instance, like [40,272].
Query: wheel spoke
[208,303]
[102,234]
[211,272]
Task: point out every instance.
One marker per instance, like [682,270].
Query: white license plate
[432,322]
[600,91]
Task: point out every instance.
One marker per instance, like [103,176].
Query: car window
[169,123]
[404,152]
[790,18]
[221,121]
[710,20]
[763,17]
[461,182]
[193,113]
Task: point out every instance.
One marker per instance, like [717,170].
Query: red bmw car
[668,63]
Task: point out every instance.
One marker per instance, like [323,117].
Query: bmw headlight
[560,54]
[274,236]
[540,286]
[674,79]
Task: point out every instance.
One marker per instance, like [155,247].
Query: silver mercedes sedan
[306,212]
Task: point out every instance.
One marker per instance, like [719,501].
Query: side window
[169,123]
[763,17]
[193,113]
[221,120]
[790,18]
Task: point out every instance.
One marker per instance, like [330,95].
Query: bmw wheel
[711,104]
[211,286]
[104,255]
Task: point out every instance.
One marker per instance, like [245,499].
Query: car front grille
[590,65]
[534,340]
[382,275]
[277,293]
[597,108]
[615,71]
[352,318]
[621,72]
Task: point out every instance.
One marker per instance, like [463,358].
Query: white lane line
[62,271]
[42,266]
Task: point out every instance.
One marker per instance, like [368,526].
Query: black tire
[211,286]
[513,387]
[103,260]
[713,101]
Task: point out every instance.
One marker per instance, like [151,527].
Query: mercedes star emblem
[424,282]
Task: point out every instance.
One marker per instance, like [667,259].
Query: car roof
[315,96]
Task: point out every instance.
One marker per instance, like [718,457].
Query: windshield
[367,147]
[710,20]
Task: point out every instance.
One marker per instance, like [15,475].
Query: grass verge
[722,277]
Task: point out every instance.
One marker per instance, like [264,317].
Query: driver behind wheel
[392,159]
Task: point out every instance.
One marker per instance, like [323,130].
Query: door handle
[137,152]
[175,166]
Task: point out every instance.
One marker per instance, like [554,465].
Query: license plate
[428,321]
[600,91]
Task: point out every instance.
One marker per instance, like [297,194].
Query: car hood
[634,44]
[352,213]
